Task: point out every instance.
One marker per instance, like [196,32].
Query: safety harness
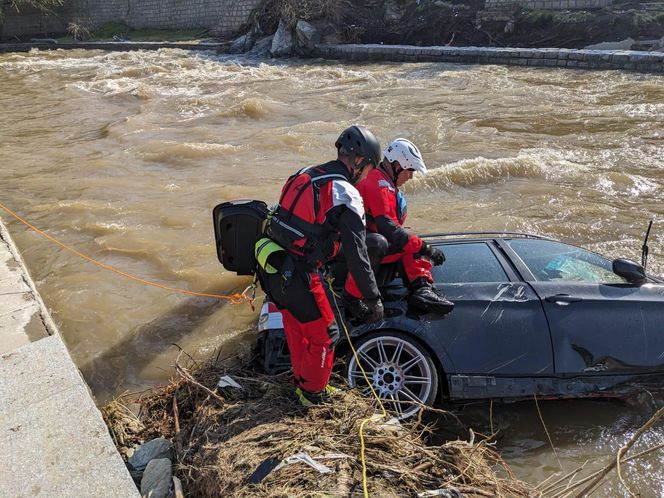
[294,225]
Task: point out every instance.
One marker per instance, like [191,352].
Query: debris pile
[256,440]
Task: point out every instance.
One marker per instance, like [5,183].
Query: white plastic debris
[445,493]
[304,458]
[227,381]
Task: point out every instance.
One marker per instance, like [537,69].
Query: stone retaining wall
[531,57]
[221,17]
[548,4]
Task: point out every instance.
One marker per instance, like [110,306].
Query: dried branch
[653,420]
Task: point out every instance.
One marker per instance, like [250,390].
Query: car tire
[400,369]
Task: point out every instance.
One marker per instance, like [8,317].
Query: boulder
[261,48]
[177,488]
[157,479]
[307,37]
[154,449]
[242,44]
[283,43]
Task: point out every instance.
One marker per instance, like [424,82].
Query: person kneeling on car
[385,208]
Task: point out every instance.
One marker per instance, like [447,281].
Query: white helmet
[407,154]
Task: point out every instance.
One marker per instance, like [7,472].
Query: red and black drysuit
[386,212]
[319,209]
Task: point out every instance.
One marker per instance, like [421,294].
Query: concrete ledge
[650,62]
[116,46]
[53,440]
[23,315]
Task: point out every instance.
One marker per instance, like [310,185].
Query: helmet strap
[396,170]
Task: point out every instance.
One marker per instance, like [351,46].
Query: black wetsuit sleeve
[396,235]
[352,233]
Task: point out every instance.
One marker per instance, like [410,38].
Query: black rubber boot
[355,307]
[424,298]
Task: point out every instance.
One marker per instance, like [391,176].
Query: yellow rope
[330,280]
[236,298]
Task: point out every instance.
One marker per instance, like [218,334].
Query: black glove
[375,310]
[433,253]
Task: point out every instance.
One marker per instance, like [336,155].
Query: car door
[497,327]
[595,316]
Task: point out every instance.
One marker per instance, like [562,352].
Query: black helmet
[358,141]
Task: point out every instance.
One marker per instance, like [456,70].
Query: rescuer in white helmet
[385,208]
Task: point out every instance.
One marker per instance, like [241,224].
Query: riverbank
[237,432]
[53,439]
[575,24]
[254,439]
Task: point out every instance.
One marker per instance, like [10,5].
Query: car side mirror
[633,272]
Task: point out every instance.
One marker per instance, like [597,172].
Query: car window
[470,262]
[555,261]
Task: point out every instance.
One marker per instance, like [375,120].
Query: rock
[177,488]
[241,45]
[157,448]
[283,42]
[261,48]
[157,479]
[307,37]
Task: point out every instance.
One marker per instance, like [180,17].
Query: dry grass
[79,28]
[221,437]
[266,16]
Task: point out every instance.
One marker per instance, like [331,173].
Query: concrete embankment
[532,57]
[53,440]
[629,60]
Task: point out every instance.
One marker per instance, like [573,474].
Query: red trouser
[414,266]
[310,343]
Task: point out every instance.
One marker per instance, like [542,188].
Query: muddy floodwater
[123,156]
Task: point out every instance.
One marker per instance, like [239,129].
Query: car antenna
[644,247]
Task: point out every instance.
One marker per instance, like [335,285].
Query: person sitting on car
[385,208]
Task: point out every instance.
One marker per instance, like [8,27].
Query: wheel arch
[343,348]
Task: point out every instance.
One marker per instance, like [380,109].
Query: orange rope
[237,298]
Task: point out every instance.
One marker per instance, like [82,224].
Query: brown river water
[123,156]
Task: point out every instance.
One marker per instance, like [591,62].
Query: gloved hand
[433,253]
[375,310]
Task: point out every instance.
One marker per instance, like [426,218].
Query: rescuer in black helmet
[318,211]
[360,147]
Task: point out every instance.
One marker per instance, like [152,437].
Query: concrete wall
[548,4]
[222,17]
[652,62]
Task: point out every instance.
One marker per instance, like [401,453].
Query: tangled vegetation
[222,436]
[225,437]
[463,23]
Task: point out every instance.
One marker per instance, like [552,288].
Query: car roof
[449,236]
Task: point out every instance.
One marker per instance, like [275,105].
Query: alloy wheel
[399,370]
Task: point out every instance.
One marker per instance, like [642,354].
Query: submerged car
[533,316]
